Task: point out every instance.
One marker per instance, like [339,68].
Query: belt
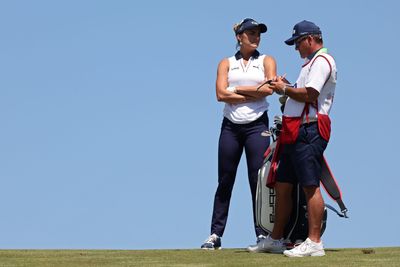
[310,120]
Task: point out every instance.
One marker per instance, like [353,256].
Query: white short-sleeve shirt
[319,73]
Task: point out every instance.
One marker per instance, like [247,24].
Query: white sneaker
[267,244]
[307,248]
[253,248]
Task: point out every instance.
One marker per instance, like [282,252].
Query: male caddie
[305,135]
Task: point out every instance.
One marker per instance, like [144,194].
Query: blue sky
[109,121]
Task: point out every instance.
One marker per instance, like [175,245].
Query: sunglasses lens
[298,41]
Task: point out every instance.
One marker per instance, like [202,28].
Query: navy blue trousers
[233,139]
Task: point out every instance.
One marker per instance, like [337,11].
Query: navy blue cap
[248,24]
[303,28]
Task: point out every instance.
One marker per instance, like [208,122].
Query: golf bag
[297,228]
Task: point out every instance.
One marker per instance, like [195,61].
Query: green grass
[226,257]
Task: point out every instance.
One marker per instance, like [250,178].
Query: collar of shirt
[319,51]
[255,54]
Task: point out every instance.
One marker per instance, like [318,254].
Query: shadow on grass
[332,250]
[245,251]
[240,250]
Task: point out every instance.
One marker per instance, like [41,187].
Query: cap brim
[263,27]
[291,40]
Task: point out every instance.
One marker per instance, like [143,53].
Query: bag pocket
[290,129]
[324,126]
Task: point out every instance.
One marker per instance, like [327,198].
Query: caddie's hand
[278,86]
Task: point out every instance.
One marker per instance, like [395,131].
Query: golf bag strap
[271,179]
[331,187]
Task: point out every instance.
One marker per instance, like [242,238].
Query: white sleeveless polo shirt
[246,75]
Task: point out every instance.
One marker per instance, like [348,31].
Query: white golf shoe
[307,248]
[267,244]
